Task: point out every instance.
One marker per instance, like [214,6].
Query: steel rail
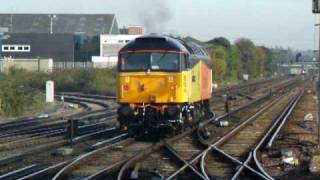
[284,120]
[59,166]
[90,96]
[60,130]
[143,154]
[230,135]
[113,167]
[44,172]
[238,129]
[172,151]
[40,148]
[256,161]
[99,144]
[12,173]
[281,118]
[121,171]
[31,120]
[67,168]
[287,84]
[58,125]
[77,100]
[80,138]
[246,163]
[214,119]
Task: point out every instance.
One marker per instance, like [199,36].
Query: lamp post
[2,37]
[52,17]
[316,10]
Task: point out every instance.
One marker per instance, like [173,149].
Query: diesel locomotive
[164,85]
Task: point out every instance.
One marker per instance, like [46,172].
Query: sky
[272,23]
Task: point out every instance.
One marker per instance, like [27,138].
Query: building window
[16,48]
[127,41]
[121,41]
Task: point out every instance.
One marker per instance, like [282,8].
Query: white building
[110,46]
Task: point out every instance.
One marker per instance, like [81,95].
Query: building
[33,65]
[110,46]
[132,30]
[310,67]
[89,24]
[59,47]
[135,30]
[62,37]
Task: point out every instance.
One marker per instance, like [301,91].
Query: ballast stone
[314,166]
[64,151]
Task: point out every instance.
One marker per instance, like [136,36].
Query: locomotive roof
[166,43]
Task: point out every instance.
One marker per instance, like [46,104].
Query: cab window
[185,65]
[134,62]
[165,62]
[150,61]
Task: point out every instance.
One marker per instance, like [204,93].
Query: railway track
[298,136]
[85,149]
[15,125]
[48,134]
[34,127]
[57,127]
[58,164]
[90,96]
[172,159]
[22,142]
[164,150]
[239,143]
[49,153]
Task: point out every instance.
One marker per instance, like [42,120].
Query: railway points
[109,169]
[94,144]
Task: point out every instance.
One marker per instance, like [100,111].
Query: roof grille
[151,40]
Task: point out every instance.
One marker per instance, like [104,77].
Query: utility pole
[316,10]
[51,22]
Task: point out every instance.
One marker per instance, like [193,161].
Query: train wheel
[207,109]
[196,114]
[187,119]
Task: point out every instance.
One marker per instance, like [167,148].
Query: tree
[219,61]
[261,58]
[220,41]
[234,63]
[248,56]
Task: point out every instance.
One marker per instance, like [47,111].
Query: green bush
[102,81]
[17,98]
[20,90]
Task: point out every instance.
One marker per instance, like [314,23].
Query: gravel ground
[298,137]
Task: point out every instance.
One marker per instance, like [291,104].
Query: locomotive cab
[159,86]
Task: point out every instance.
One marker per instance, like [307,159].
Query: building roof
[90,24]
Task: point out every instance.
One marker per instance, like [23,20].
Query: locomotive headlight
[173,87]
[170,79]
[127,79]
